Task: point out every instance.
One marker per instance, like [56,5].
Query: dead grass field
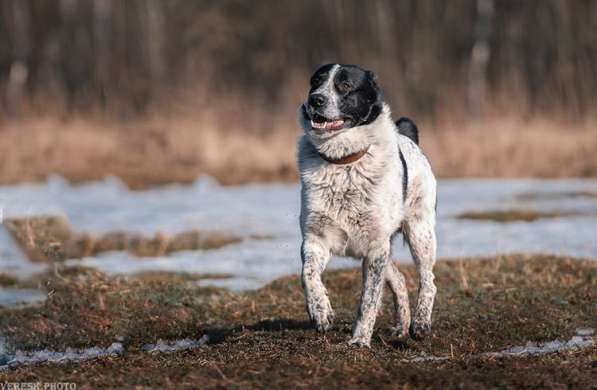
[516,215]
[263,338]
[157,151]
[51,238]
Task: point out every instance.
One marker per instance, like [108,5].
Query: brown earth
[263,338]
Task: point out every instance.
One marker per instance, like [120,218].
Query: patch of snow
[20,358]
[234,283]
[584,332]
[273,210]
[163,346]
[4,356]
[12,259]
[72,355]
[253,263]
[20,297]
[582,339]
[426,358]
[579,341]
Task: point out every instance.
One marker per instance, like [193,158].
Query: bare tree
[480,53]
[21,44]
[126,55]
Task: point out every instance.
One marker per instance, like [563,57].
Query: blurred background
[163,91]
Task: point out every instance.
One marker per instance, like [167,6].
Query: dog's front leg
[315,257]
[374,268]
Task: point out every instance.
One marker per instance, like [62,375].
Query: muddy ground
[262,338]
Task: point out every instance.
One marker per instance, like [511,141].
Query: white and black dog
[364,179]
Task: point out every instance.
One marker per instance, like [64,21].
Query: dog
[364,179]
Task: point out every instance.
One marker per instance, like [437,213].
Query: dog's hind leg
[374,274]
[315,256]
[397,283]
[420,234]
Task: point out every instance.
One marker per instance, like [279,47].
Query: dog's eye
[344,86]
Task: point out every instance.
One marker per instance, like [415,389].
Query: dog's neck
[349,159]
[352,144]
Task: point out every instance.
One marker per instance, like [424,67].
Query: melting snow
[163,346]
[20,297]
[20,358]
[540,348]
[582,339]
[273,210]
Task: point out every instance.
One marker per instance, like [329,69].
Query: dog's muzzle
[328,125]
[319,121]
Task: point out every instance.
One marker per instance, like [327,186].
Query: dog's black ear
[408,128]
[372,77]
[376,97]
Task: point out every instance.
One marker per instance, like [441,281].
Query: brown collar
[346,159]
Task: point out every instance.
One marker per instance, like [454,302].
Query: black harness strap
[404,176]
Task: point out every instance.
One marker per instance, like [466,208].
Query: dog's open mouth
[321,123]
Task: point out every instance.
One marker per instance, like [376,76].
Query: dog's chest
[344,194]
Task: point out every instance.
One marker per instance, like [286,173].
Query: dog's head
[341,97]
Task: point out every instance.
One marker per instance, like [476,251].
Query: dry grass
[516,215]
[156,151]
[510,147]
[556,195]
[7,280]
[51,238]
[142,153]
[262,338]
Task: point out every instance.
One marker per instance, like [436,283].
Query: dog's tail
[408,128]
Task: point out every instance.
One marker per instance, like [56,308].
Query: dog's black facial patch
[360,96]
[320,76]
[353,95]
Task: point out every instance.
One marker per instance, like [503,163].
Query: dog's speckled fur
[356,209]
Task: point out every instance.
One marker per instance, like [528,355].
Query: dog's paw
[359,342]
[323,319]
[419,329]
[399,332]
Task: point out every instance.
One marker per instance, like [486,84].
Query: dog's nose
[316,100]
